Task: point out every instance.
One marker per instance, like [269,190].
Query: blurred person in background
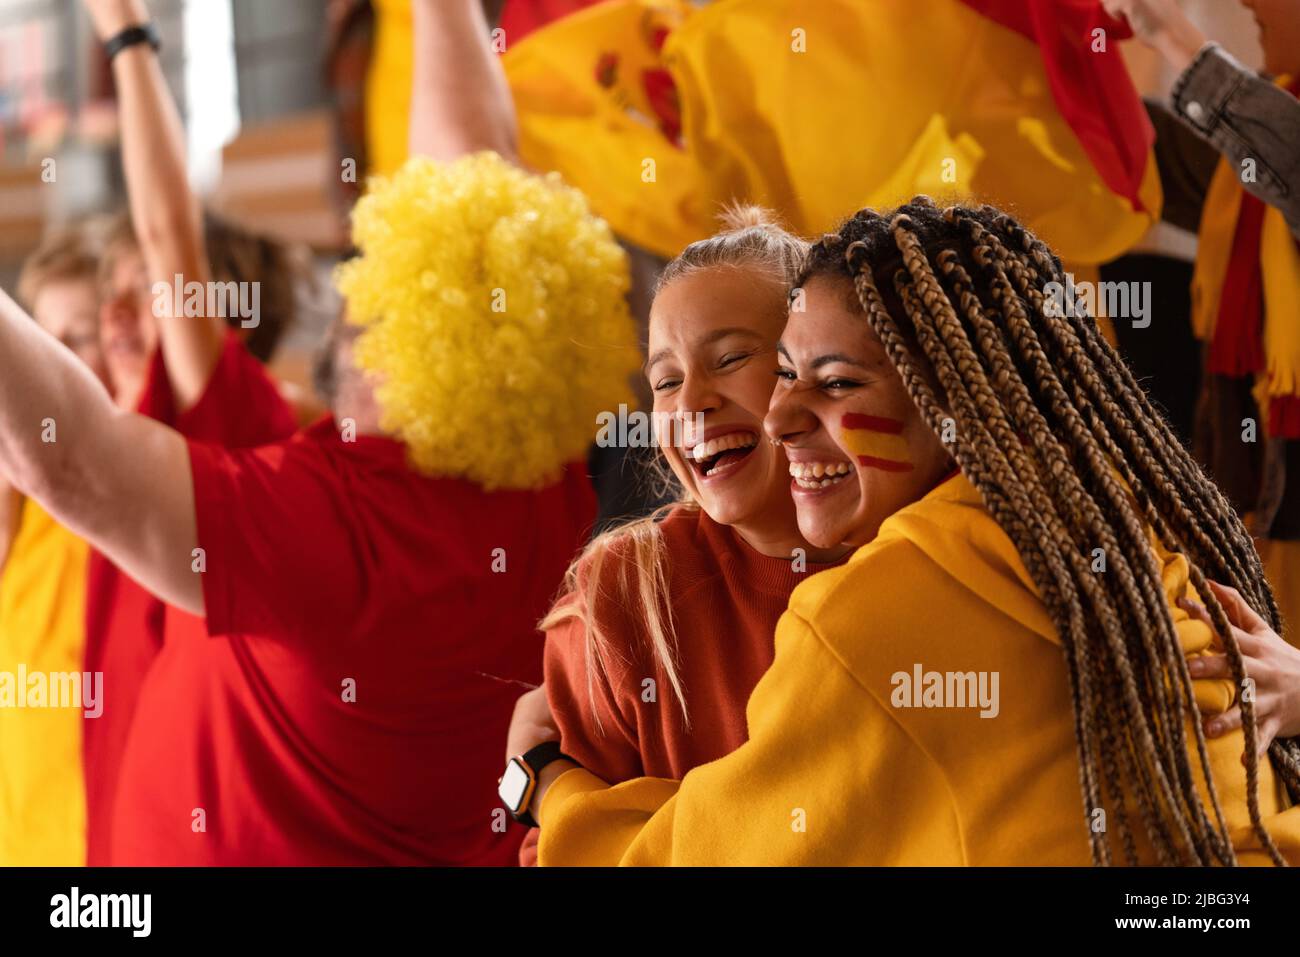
[95,283]
[349,45]
[353,610]
[1228,148]
[197,370]
[43,590]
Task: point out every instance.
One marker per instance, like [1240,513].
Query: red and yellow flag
[388,87]
[876,442]
[662,112]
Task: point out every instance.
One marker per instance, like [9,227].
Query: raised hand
[1162,25]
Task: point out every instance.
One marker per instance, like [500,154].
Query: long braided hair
[1069,455]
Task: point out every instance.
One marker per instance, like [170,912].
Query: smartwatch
[132,36]
[519,782]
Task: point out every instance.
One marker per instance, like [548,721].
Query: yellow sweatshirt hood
[955,531]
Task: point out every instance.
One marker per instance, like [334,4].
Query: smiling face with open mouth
[857,445]
[712,360]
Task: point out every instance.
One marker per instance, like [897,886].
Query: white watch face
[513,788]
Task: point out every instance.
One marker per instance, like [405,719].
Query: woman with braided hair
[1005,672]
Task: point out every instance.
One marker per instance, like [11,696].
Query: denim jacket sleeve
[1220,108]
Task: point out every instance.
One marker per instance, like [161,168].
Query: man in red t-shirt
[349,634]
[364,656]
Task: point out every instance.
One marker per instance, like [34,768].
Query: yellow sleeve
[828,777]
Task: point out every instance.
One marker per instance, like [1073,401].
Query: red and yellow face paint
[876,441]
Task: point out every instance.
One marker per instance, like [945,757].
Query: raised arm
[119,480]
[460,102]
[1238,113]
[165,212]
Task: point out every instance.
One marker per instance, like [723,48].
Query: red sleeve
[279,541]
[156,399]
[611,750]
[241,407]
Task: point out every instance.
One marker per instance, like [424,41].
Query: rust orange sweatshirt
[725,598]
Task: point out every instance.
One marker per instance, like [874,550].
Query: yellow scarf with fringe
[1279,262]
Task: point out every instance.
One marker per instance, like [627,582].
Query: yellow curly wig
[496,317]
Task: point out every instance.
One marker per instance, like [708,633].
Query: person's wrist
[1180,43]
[111,18]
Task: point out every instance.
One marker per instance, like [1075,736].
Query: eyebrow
[824,360]
[708,340]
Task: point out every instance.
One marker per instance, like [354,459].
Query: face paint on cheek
[877,442]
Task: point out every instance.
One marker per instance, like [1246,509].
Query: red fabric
[123,634]
[241,407]
[1284,417]
[1238,346]
[661,92]
[1093,91]
[327,562]
[124,623]
[522,17]
[726,599]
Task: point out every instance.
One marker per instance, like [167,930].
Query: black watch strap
[544,754]
[548,752]
[132,36]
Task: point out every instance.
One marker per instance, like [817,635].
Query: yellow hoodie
[42,629]
[838,771]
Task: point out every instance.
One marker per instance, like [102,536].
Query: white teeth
[819,469]
[819,474]
[814,483]
[734,440]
